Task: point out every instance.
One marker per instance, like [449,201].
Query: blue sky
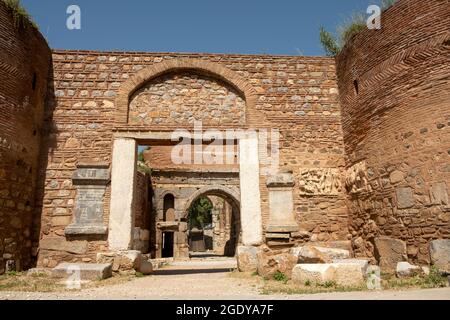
[219,26]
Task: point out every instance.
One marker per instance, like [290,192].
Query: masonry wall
[25,64]
[297,95]
[395,95]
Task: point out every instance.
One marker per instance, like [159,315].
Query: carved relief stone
[356,179]
[91,182]
[324,181]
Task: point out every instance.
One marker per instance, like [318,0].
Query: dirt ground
[210,279]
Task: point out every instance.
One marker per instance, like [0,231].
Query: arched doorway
[213,216]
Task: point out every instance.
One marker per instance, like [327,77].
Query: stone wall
[25,65]
[395,98]
[297,95]
[184,97]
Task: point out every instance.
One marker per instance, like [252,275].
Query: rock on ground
[85,271]
[349,274]
[390,252]
[344,274]
[270,262]
[440,254]
[405,270]
[314,254]
[313,273]
[247,258]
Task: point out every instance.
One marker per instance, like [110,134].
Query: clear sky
[220,26]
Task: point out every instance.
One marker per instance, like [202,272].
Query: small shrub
[435,279]
[20,14]
[254,273]
[307,283]
[350,28]
[329,284]
[280,276]
[329,43]
[139,275]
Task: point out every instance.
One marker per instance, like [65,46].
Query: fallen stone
[426,270]
[247,258]
[362,263]
[440,254]
[405,270]
[389,252]
[269,263]
[146,267]
[121,260]
[85,272]
[313,254]
[348,274]
[313,273]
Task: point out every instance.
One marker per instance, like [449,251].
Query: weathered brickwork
[25,64]
[395,95]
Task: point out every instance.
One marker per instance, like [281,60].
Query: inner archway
[213,217]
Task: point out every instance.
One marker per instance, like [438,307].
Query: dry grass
[20,282]
[389,282]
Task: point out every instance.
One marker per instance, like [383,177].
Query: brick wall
[25,64]
[297,95]
[395,96]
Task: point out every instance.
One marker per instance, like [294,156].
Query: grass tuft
[21,17]
[347,30]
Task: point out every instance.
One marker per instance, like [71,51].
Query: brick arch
[216,70]
[226,193]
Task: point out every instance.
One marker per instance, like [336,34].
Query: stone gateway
[87,170]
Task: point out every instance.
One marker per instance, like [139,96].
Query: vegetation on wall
[200,213]
[333,44]
[20,15]
[142,165]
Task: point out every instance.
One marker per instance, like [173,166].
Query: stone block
[349,274]
[314,273]
[146,267]
[86,272]
[362,263]
[439,194]
[121,260]
[405,269]
[440,254]
[61,244]
[389,252]
[247,258]
[405,197]
[271,262]
[313,254]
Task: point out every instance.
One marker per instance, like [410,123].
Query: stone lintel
[91,176]
[168,225]
[281,180]
[278,235]
[284,228]
[74,229]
